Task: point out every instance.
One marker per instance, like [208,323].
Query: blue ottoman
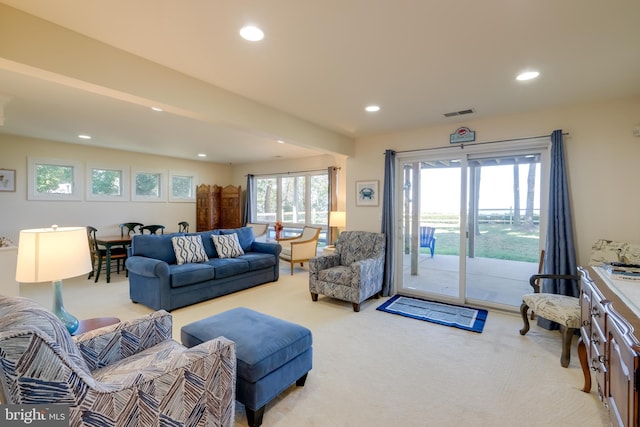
[271,354]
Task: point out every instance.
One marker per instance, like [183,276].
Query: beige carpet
[378,369]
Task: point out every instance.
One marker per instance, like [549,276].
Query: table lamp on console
[53,254]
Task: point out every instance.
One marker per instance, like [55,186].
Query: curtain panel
[248,197]
[388,222]
[560,252]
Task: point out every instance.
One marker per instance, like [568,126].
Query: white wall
[601,152]
[602,157]
[17,213]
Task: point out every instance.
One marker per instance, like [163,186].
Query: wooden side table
[87,325]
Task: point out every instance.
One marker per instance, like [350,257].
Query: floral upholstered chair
[131,373]
[353,272]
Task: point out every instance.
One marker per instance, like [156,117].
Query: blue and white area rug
[470,319]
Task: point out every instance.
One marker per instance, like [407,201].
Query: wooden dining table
[109,242]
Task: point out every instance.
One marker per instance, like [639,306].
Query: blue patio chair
[428,238]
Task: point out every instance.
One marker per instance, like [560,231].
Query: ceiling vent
[459,113]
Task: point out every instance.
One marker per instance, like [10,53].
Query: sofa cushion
[207,242]
[189,249]
[227,267]
[227,246]
[245,236]
[188,274]
[258,260]
[341,274]
[154,246]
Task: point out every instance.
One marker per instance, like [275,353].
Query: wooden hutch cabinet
[218,207]
[609,343]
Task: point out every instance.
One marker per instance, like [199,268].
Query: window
[266,203]
[54,179]
[183,187]
[149,186]
[292,209]
[107,183]
[295,199]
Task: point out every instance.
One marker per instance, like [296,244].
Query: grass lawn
[501,241]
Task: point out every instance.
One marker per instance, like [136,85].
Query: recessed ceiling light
[84,136]
[202,155]
[157,109]
[372,108]
[527,75]
[251,33]
[280,141]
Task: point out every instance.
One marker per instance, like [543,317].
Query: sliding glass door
[483,210]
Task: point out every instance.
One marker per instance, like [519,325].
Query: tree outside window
[106,182]
[295,200]
[148,184]
[182,188]
[54,179]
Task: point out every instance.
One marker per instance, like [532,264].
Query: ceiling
[324,61]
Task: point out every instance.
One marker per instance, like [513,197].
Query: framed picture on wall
[7,180]
[367,193]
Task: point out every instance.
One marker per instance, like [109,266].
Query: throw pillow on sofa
[227,245]
[245,236]
[189,249]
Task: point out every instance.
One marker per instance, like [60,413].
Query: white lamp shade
[337,218]
[52,254]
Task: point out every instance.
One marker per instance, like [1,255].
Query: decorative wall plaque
[462,134]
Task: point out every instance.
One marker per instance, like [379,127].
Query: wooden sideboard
[609,343]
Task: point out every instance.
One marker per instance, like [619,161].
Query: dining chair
[183,227]
[130,227]
[99,254]
[152,229]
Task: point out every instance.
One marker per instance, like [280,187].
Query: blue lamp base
[69,320]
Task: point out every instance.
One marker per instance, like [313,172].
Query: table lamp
[53,254]
[337,219]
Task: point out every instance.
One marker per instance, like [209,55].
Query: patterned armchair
[353,272]
[131,373]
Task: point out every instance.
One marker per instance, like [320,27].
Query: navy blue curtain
[248,196]
[388,221]
[560,251]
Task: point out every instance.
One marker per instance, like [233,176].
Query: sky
[440,188]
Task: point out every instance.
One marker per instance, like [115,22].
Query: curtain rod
[525,138]
[290,172]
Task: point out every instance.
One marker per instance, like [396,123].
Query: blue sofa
[157,281]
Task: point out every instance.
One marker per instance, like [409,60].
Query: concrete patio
[491,281]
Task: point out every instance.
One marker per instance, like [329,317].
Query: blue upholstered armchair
[353,272]
[131,373]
